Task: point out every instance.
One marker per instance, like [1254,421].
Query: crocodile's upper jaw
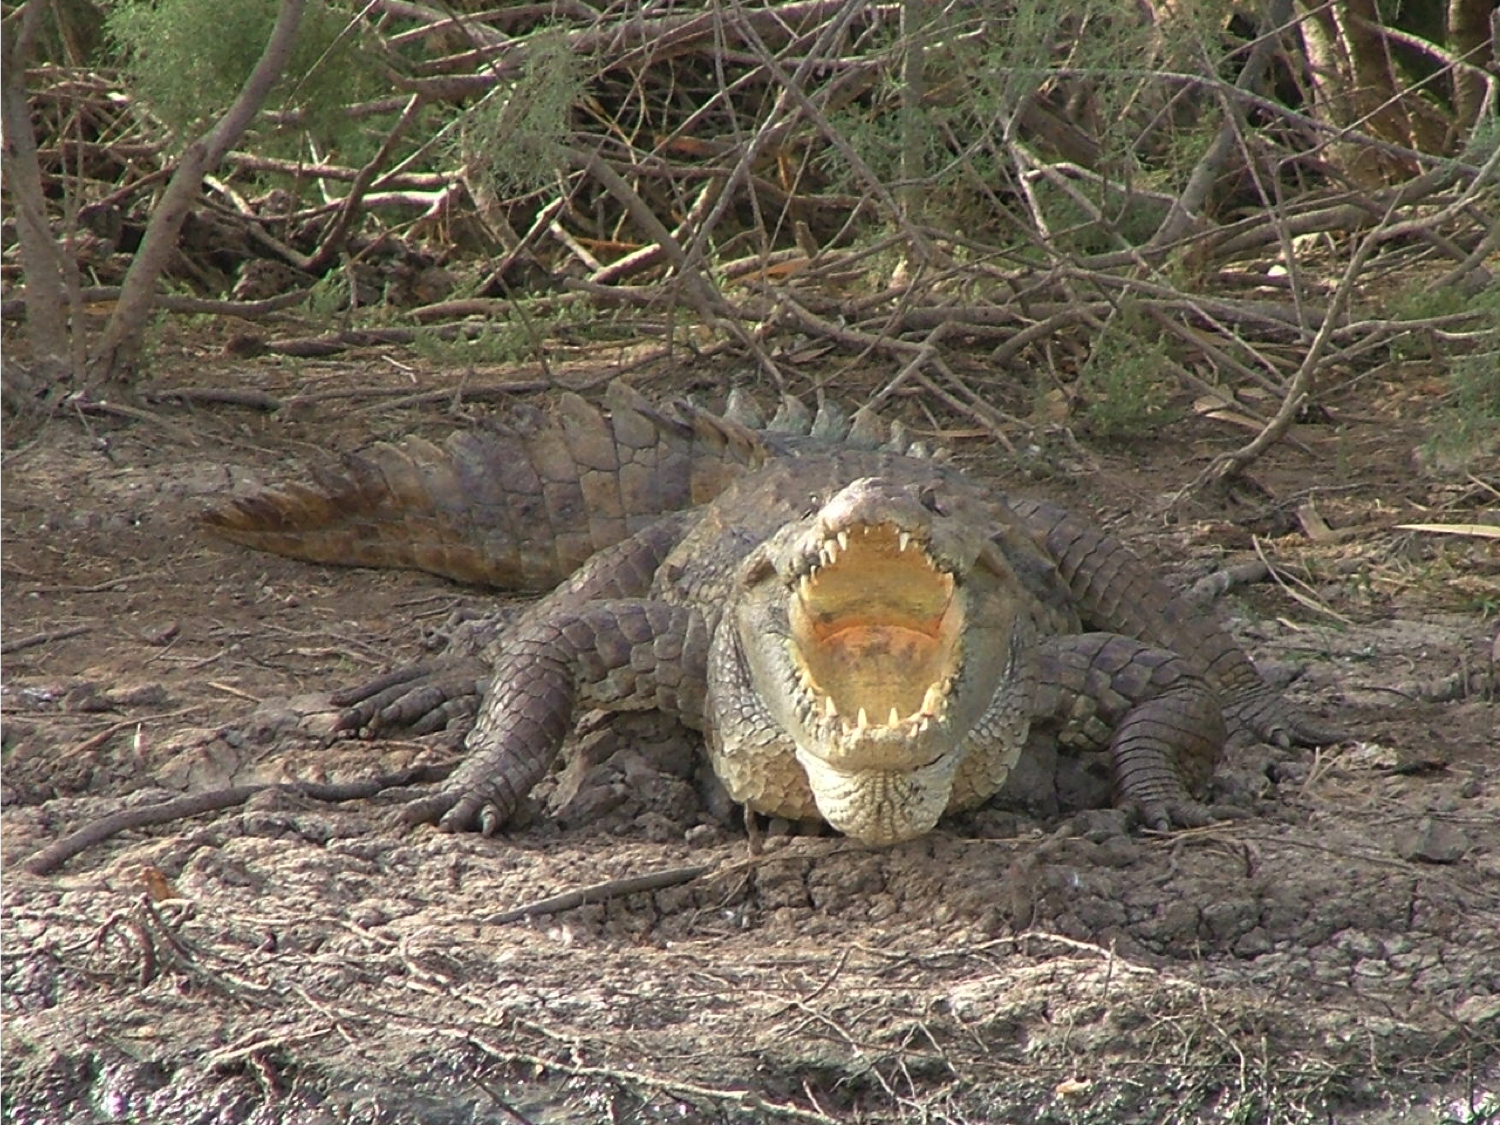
[873,633]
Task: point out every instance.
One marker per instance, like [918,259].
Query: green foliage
[499,344]
[1126,381]
[513,139]
[188,60]
[1483,140]
[328,297]
[509,340]
[1418,302]
[1421,302]
[1467,430]
[977,79]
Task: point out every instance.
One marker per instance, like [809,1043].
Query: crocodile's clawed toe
[490,820]
[388,685]
[430,809]
[366,705]
[1172,815]
[1293,728]
[412,708]
[450,714]
[473,812]
[1264,714]
[1308,731]
[420,698]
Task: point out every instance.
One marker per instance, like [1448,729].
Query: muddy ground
[1334,956]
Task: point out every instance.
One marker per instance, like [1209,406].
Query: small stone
[1099,825]
[140,695]
[1433,841]
[162,634]
[369,916]
[1253,944]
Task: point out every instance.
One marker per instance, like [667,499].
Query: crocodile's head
[874,635]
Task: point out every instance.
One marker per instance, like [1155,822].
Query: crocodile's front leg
[1155,713]
[629,654]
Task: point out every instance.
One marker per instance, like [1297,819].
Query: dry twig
[53,856]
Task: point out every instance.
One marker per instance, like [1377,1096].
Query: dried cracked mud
[1334,955]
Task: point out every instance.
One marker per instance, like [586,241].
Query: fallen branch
[50,858]
[225,396]
[20,644]
[743,1100]
[601,892]
[15,308]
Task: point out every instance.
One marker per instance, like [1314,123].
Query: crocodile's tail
[523,504]
[519,504]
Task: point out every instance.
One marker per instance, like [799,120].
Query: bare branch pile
[1190,199]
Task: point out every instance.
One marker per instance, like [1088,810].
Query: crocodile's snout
[875,629]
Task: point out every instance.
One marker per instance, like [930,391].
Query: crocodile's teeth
[895,719]
[843,538]
[933,700]
[862,720]
[903,540]
[830,708]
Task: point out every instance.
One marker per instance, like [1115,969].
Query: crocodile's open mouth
[875,631]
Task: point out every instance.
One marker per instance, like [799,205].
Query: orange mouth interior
[875,629]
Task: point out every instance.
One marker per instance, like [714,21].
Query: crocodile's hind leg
[624,655]
[1160,721]
[1115,591]
[436,694]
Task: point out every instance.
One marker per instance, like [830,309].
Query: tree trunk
[118,353]
[41,257]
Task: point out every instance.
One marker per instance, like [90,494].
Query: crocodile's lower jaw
[881,806]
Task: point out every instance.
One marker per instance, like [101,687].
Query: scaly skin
[862,634]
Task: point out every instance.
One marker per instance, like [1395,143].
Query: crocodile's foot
[458,809]
[418,698]
[1265,714]
[1184,812]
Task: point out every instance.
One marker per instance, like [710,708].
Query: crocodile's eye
[815,505]
[931,501]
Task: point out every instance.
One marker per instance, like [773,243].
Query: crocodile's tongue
[875,634]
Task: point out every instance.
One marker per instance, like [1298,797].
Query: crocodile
[864,634]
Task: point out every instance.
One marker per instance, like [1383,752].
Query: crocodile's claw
[418,698]
[1172,815]
[1265,714]
[458,809]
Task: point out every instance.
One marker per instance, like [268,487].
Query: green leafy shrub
[513,138]
[1126,381]
[189,58]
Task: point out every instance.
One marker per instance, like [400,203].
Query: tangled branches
[1134,206]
